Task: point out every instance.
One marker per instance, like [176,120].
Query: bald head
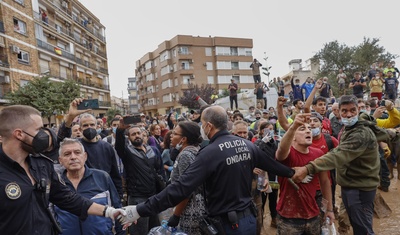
[216,115]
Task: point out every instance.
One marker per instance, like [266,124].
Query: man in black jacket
[225,167]
[142,165]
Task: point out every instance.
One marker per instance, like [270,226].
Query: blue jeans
[247,226]
[360,208]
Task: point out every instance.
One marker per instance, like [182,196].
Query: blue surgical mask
[315,131]
[363,111]
[349,121]
[271,133]
[114,130]
[98,131]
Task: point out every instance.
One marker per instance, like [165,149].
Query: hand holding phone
[89,104]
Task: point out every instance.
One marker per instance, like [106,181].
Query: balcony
[105,103]
[2,27]
[87,82]
[4,90]
[86,25]
[4,64]
[55,49]
[51,25]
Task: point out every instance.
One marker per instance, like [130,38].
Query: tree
[46,96]
[189,95]
[334,56]
[110,115]
[266,68]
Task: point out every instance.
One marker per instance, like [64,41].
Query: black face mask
[258,118]
[40,142]
[90,133]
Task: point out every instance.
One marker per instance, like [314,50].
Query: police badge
[13,190]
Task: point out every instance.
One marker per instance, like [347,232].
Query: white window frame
[23,57]
[21,26]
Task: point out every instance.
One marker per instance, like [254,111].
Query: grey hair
[68,141]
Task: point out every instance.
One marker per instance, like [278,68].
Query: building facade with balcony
[133,96]
[163,75]
[61,39]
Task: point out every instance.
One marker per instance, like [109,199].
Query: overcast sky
[284,29]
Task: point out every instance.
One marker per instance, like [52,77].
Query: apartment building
[120,104]
[57,38]
[133,97]
[163,75]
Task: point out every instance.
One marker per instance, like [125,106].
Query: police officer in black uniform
[28,181]
[225,167]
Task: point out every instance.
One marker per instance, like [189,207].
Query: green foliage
[334,56]
[46,96]
[110,114]
[204,91]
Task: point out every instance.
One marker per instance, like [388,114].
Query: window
[185,65]
[210,79]
[44,66]
[23,57]
[208,51]
[235,65]
[19,26]
[63,72]
[183,50]
[234,51]
[23,82]
[185,79]
[209,65]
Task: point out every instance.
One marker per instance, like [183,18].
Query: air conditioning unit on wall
[15,49]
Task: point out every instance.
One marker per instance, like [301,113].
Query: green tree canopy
[46,96]
[110,114]
[334,56]
[204,91]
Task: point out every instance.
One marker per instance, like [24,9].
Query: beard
[137,142]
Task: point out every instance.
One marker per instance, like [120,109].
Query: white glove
[307,179]
[112,213]
[131,215]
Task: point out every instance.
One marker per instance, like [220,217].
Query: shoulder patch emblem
[13,191]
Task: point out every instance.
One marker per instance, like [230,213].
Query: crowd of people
[217,168]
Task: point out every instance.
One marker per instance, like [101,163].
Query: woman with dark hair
[155,138]
[186,138]
[168,163]
[267,144]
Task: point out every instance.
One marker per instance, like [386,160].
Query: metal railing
[2,27]
[52,25]
[105,103]
[52,48]
[4,61]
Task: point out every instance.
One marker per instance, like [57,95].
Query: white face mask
[203,134]
[179,146]
[315,131]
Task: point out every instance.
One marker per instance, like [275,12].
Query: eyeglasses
[174,133]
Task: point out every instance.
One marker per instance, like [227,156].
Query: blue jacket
[97,186]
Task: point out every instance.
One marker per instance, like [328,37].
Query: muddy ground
[383,226]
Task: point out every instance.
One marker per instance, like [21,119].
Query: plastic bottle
[261,180]
[326,227]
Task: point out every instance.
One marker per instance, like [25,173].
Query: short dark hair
[319,98]
[348,99]
[238,115]
[191,131]
[296,101]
